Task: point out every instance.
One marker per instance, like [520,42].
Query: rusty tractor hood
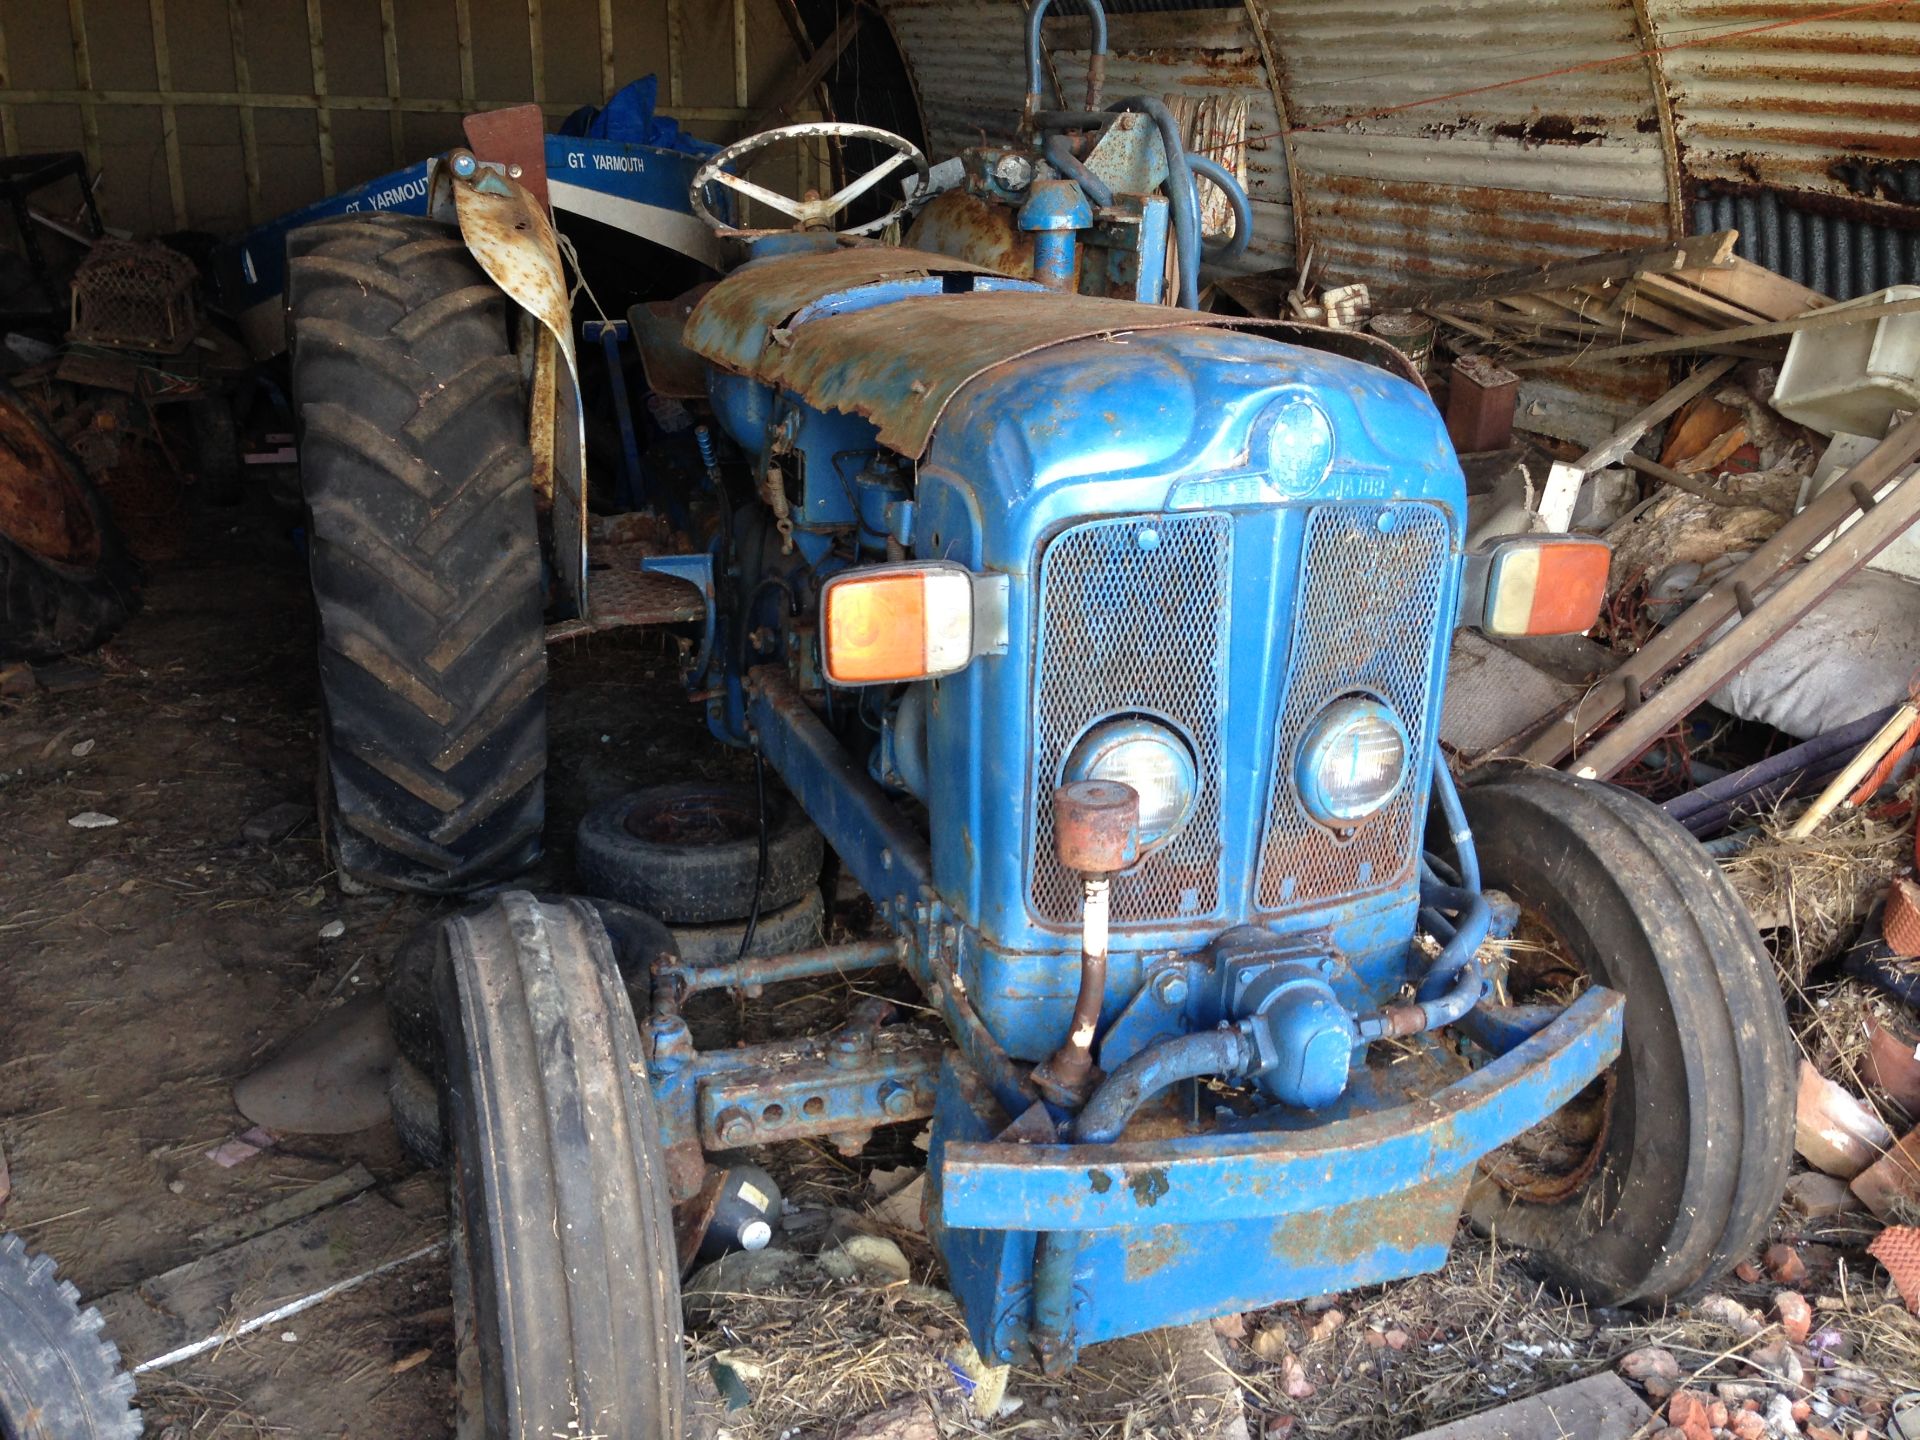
[898,354]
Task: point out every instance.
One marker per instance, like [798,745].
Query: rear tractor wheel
[424,555]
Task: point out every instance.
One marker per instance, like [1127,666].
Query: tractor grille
[1133,618]
[1365,620]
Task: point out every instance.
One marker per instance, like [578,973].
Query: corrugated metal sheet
[1533,172]
[1349,56]
[1197,53]
[968,59]
[1791,108]
[1838,255]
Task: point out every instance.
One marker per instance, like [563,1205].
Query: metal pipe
[1073,1062]
[1186,1057]
[1051,1331]
[1060,155]
[1233,248]
[1458,831]
[801,965]
[1096,62]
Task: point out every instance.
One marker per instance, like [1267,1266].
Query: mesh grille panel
[1368,605]
[1133,617]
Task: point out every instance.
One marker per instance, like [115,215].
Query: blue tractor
[1104,641]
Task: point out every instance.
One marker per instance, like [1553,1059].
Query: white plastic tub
[1853,377]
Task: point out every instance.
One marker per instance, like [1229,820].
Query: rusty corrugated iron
[1818,107]
[1532,172]
[967,59]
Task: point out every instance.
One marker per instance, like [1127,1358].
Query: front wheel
[1667,1170]
[566,1282]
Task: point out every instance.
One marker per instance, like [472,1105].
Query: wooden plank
[207,1302]
[243,84]
[740,52]
[1739,335]
[463,42]
[1694,251]
[322,114]
[390,55]
[1600,1407]
[380,104]
[1756,288]
[809,75]
[9,132]
[169,118]
[537,50]
[1674,291]
[83,82]
[1629,434]
[676,54]
[606,51]
[284,1211]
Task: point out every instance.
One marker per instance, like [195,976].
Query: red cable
[1839,14]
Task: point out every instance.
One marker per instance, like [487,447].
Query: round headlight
[1150,757]
[1352,761]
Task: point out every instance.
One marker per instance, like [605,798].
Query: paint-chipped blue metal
[842,1084]
[1055,211]
[1137,1231]
[1160,490]
[759,298]
[1358,1154]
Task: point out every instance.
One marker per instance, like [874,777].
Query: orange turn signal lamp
[919,621]
[1536,585]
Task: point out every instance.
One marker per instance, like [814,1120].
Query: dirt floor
[148,964]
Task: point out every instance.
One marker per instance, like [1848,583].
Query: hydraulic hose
[1096,62]
[1458,831]
[1235,246]
[1060,155]
[1136,1081]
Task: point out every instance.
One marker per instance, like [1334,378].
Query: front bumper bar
[998,1185]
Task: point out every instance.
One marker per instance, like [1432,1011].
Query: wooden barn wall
[213,114]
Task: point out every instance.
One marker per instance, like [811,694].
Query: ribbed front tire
[424,554]
[566,1278]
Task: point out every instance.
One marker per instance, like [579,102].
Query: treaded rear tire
[59,1380]
[567,1303]
[1700,1129]
[424,554]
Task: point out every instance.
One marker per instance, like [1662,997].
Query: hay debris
[1814,892]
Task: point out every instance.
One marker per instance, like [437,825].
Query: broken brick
[1785,1265]
[1894,1179]
[1796,1315]
[1832,1129]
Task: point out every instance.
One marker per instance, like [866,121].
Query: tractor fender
[511,236]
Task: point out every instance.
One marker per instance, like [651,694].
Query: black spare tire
[690,852]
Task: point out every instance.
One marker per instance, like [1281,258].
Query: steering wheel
[812,213]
